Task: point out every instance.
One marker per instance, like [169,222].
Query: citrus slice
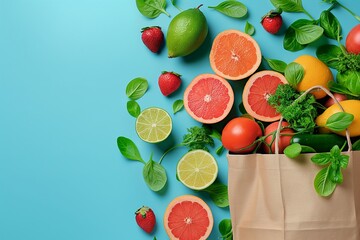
[208,98]
[197,169]
[234,55]
[257,90]
[153,125]
[188,217]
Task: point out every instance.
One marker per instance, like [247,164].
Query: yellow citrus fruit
[350,106]
[315,73]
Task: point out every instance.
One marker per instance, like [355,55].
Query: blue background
[64,66]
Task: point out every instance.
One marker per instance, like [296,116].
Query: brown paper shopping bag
[272,197]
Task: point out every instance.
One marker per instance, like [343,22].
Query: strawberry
[152,37]
[145,218]
[272,21]
[169,82]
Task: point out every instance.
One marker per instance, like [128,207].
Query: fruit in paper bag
[284,140]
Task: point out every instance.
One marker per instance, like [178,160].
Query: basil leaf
[151,8]
[356,146]
[133,108]
[136,88]
[128,149]
[276,65]
[330,24]
[219,194]
[307,149]
[336,175]
[249,28]
[323,184]
[233,9]
[329,54]
[339,121]
[219,150]
[290,43]
[321,158]
[308,33]
[225,229]
[350,80]
[336,87]
[178,105]
[335,152]
[294,73]
[289,5]
[293,150]
[154,175]
[344,160]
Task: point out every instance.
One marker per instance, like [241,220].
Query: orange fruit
[315,73]
[208,98]
[257,91]
[188,218]
[234,55]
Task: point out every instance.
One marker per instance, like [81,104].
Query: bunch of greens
[299,111]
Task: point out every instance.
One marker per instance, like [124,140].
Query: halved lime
[153,125]
[197,169]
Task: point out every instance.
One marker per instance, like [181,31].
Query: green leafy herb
[178,105]
[128,149]
[133,108]
[198,138]
[293,150]
[307,149]
[152,8]
[276,65]
[308,33]
[335,3]
[249,28]
[232,8]
[294,73]
[219,194]
[323,184]
[330,24]
[154,175]
[330,55]
[356,146]
[136,88]
[289,5]
[290,42]
[339,121]
[225,229]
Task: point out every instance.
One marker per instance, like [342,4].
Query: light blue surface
[64,65]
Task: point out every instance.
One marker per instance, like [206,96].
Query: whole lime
[186,32]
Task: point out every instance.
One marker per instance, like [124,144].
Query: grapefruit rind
[247,91]
[240,59]
[208,103]
[184,217]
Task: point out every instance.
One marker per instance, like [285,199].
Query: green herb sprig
[225,229]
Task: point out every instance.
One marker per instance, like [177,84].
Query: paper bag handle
[277,135]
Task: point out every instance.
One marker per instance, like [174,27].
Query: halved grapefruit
[188,217]
[234,55]
[208,98]
[257,90]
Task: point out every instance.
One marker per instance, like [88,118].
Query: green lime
[153,125]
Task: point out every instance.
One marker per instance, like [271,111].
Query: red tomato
[284,140]
[340,97]
[240,133]
[353,40]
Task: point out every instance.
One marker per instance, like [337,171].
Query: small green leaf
[133,108]
[225,229]
[233,9]
[329,54]
[136,88]
[321,159]
[323,184]
[151,8]
[335,152]
[154,175]
[344,161]
[294,73]
[219,194]
[335,174]
[308,33]
[219,150]
[178,105]
[356,146]
[288,5]
[293,150]
[339,121]
[290,42]
[249,28]
[330,24]
[307,149]
[276,65]
[128,149]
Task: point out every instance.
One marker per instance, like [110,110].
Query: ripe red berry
[153,38]
[169,82]
[145,218]
[272,21]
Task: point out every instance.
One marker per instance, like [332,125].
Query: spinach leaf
[339,121]
[329,54]
[308,33]
[330,24]
[133,108]
[128,149]
[232,8]
[225,229]
[178,105]
[151,8]
[351,81]
[136,88]
[293,150]
[294,73]
[219,194]
[290,43]
[276,65]
[288,5]
[154,175]
[323,184]
[249,28]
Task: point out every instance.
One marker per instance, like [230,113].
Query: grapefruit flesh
[208,98]
[257,90]
[234,55]
[188,218]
